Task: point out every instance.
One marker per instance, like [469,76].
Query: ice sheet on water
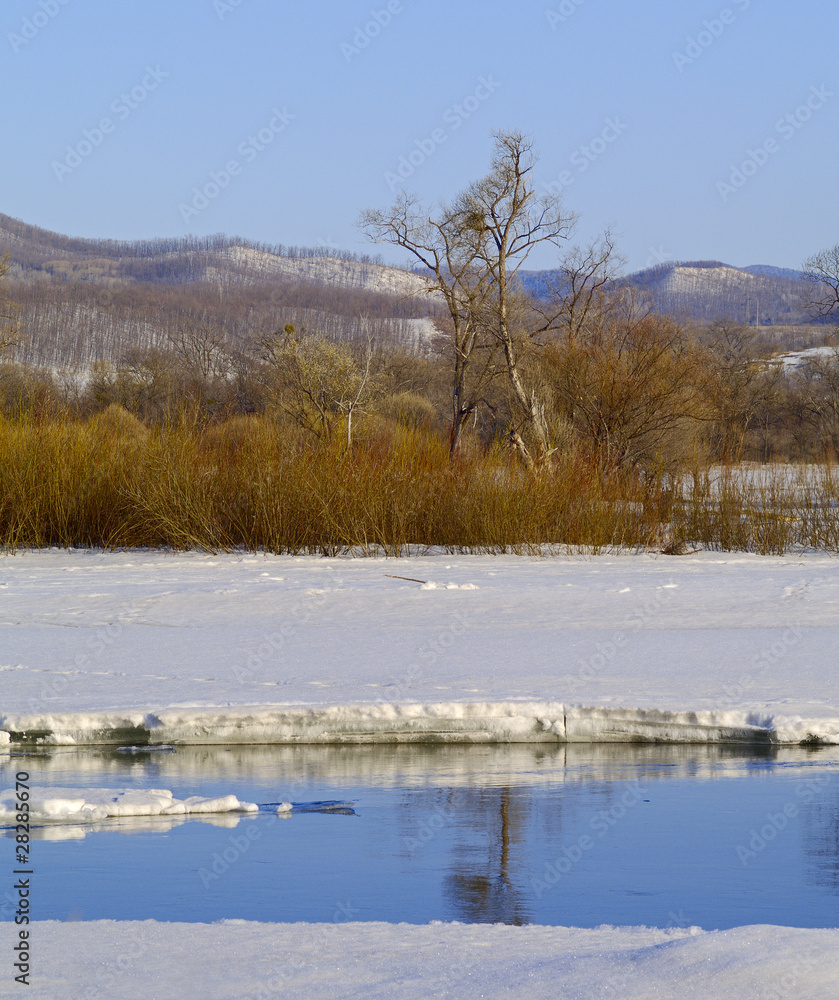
[718,648]
[511,721]
[71,813]
[327,806]
[149,748]
[88,805]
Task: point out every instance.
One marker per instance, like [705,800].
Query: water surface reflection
[577,835]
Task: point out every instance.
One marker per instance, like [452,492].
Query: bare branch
[822,270]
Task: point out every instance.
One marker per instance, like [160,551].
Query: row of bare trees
[35,245]
[634,388]
[9,314]
[75,323]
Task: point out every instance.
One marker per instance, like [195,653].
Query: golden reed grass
[253,483]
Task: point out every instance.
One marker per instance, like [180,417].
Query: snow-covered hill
[698,290]
[37,253]
[333,271]
[703,291]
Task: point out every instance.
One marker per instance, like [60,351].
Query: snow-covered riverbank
[244,648]
[238,960]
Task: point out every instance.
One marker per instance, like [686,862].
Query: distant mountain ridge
[775,272]
[695,290]
[39,254]
[84,301]
[705,290]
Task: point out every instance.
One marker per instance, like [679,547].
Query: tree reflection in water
[479,884]
[820,826]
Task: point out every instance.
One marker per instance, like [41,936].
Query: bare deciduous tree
[473,251]
[453,270]
[627,384]
[319,379]
[817,382]
[202,351]
[736,385]
[504,222]
[823,271]
[580,294]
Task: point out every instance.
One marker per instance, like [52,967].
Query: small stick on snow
[410,579]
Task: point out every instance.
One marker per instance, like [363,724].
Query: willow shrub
[253,483]
[257,484]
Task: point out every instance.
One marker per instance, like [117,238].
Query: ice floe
[88,805]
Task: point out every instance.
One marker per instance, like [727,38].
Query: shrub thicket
[257,483]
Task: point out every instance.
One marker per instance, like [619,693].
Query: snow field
[190,648]
[238,960]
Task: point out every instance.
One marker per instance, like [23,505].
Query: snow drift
[240,959]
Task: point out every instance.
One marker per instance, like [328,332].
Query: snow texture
[797,359]
[129,647]
[239,960]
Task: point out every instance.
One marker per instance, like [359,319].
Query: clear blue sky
[640,109]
